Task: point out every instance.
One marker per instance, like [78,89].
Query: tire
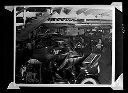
[89,81]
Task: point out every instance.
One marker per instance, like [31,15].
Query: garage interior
[63,45]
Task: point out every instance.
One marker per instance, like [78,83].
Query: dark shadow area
[118,43]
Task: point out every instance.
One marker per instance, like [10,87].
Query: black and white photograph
[63,44]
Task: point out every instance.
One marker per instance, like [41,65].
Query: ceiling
[67,11]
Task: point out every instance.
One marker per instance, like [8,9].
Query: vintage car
[55,61]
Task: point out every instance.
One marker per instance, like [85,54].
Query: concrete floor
[106,66]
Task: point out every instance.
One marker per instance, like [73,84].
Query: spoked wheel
[89,81]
